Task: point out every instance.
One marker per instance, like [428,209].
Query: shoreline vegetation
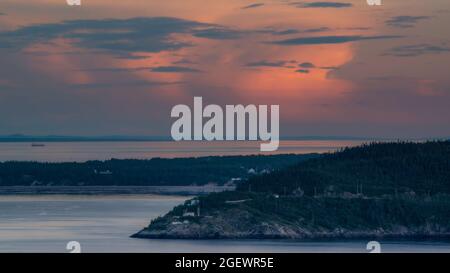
[395,190]
[157,175]
[113,190]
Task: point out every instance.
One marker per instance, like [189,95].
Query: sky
[336,68]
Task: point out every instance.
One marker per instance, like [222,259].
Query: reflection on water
[82,151]
[104,224]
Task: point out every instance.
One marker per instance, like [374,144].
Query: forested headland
[398,190]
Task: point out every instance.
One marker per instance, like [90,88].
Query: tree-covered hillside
[377,190]
[153,172]
[372,170]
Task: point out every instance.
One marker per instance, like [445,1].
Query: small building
[193,202]
[107,172]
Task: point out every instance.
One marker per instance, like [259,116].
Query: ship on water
[37,145]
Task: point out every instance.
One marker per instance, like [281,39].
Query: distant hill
[398,190]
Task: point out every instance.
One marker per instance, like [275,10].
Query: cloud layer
[252,6]
[405,21]
[417,50]
[318,40]
[123,35]
[322,4]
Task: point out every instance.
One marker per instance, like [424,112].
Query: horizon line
[74,138]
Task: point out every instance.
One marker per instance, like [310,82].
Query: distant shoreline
[24,138]
[112,190]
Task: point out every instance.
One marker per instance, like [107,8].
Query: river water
[83,151]
[47,223]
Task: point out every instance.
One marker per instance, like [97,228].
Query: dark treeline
[152,172]
[372,170]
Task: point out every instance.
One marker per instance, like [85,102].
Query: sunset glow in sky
[339,68]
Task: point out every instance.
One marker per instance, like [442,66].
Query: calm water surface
[104,224]
[82,151]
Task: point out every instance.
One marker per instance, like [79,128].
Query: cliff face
[378,190]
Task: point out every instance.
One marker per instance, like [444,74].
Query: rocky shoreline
[348,235]
[205,233]
[245,222]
